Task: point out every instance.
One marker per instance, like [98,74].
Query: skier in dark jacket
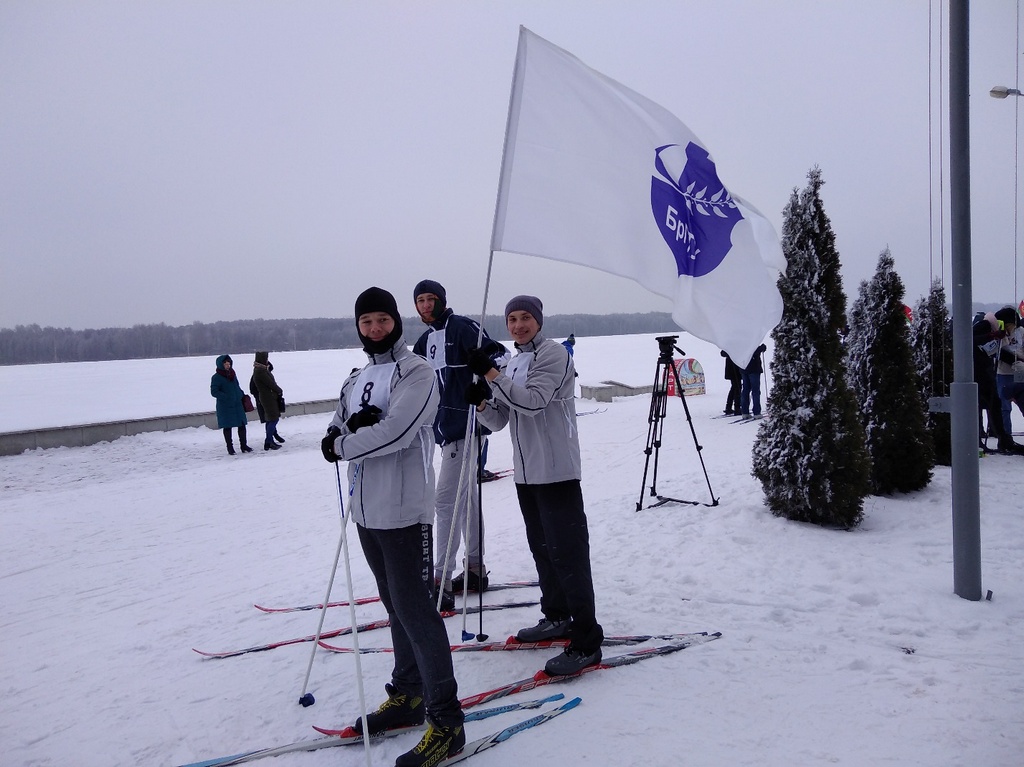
[230,412]
[446,345]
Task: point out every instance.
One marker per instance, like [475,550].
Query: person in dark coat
[750,391]
[230,412]
[256,394]
[270,397]
[734,375]
[445,345]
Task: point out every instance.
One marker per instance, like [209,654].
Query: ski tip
[344,732]
[572,703]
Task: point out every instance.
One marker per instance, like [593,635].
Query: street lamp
[1001,92]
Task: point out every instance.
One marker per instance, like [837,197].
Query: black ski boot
[545,629]
[571,661]
[447,597]
[438,744]
[399,710]
[474,582]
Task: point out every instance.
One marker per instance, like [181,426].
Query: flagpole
[514,100]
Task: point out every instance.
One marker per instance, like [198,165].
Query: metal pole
[963,392]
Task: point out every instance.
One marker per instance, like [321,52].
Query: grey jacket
[390,469]
[540,413]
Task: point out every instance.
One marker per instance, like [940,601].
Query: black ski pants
[401,561]
[556,529]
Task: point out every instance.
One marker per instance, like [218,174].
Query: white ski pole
[307,698]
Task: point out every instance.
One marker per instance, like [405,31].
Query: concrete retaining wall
[12,443]
[609,389]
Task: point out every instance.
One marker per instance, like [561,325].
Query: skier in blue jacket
[446,345]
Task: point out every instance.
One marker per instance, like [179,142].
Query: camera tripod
[656,423]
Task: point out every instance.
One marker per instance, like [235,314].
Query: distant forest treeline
[30,344]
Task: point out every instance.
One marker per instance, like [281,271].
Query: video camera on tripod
[656,420]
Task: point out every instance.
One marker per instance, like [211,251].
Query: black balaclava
[432,286]
[378,300]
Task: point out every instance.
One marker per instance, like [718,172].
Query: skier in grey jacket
[534,395]
[383,428]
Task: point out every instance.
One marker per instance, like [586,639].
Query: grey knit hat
[530,304]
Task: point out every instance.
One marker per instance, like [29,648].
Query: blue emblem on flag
[695,213]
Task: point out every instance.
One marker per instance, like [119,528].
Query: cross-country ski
[354,738]
[514,644]
[373,599]
[540,678]
[372,625]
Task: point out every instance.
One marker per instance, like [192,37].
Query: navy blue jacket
[460,336]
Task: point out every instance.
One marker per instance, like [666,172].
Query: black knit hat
[378,300]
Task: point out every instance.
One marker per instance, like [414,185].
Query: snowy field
[843,648]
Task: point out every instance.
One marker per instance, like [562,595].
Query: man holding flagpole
[534,395]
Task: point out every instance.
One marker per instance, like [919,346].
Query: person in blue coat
[230,412]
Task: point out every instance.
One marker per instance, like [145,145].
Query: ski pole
[460,499]
[481,636]
[306,698]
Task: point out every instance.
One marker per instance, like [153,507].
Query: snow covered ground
[837,647]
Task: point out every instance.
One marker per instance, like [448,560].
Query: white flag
[598,175]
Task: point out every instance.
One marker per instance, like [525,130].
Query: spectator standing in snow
[989,331]
[270,397]
[230,411]
[382,427]
[570,343]
[534,395]
[1010,354]
[445,345]
[734,376]
[750,391]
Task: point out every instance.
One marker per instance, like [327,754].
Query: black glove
[366,416]
[477,392]
[479,362]
[327,444]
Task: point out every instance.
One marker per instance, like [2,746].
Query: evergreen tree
[883,379]
[809,452]
[933,358]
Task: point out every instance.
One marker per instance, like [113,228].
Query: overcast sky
[201,160]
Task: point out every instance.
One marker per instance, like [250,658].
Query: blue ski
[494,739]
[313,744]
